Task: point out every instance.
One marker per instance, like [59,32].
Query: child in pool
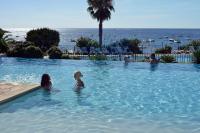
[79,83]
[153,59]
[126,59]
[46,82]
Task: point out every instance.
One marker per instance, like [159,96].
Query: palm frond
[100,9]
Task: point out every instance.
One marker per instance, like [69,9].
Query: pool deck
[10,91]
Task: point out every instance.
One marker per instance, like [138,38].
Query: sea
[151,38]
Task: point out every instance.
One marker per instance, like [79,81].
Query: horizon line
[198,28]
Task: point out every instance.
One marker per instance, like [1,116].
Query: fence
[180,58]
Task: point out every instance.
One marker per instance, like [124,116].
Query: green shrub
[98,57]
[3,47]
[55,53]
[123,42]
[44,38]
[132,44]
[33,52]
[25,52]
[195,44]
[165,50]
[87,43]
[196,55]
[167,58]
[17,51]
[65,56]
[184,47]
[4,39]
[82,42]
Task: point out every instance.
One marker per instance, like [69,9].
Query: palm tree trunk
[100,33]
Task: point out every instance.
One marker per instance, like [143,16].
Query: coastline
[115,34]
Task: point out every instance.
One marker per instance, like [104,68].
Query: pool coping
[12,91]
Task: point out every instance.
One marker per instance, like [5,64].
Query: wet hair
[46,80]
[126,58]
[76,74]
[153,56]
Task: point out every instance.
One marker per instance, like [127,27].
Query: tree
[3,45]
[87,43]
[44,38]
[195,44]
[131,44]
[166,50]
[168,58]
[196,55]
[4,40]
[2,32]
[100,10]
[134,46]
[33,52]
[25,51]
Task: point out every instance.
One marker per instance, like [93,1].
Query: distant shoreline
[111,28]
[158,37]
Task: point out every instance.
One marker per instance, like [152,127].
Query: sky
[73,14]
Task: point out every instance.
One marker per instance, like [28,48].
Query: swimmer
[46,82]
[79,83]
[126,59]
[153,59]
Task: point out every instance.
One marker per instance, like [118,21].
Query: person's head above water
[46,81]
[153,59]
[79,83]
[153,56]
[78,75]
[126,58]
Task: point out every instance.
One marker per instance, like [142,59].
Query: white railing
[180,58]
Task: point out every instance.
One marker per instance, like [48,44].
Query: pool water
[133,98]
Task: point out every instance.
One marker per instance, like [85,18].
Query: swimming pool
[137,98]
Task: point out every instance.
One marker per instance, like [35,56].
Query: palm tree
[2,32]
[100,10]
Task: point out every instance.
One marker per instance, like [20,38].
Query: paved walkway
[10,91]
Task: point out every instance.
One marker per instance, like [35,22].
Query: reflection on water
[153,66]
[82,99]
[101,71]
[100,63]
[126,64]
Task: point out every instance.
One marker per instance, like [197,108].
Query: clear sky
[73,14]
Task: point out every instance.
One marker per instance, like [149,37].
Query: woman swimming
[153,59]
[46,82]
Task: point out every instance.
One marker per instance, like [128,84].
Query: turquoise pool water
[138,98]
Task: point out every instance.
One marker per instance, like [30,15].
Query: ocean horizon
[159,36]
